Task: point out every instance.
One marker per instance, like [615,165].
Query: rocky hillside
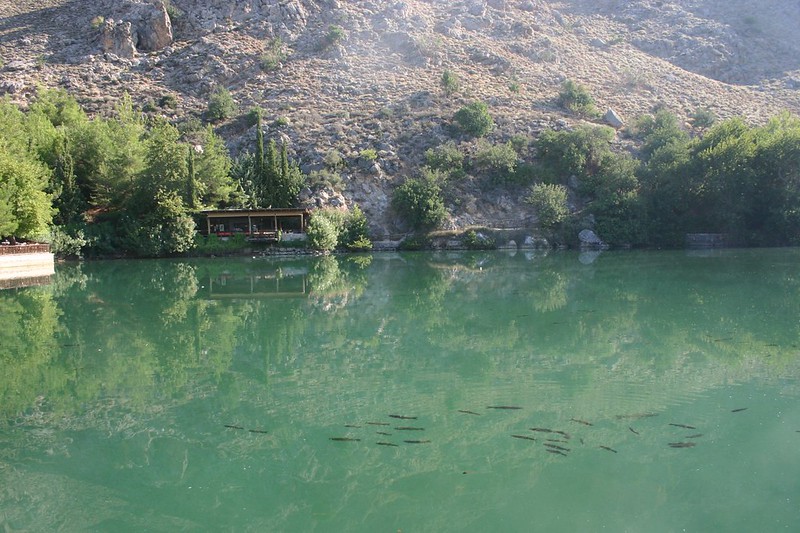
[376,84]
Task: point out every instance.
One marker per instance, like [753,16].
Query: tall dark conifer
[191,183]
[261,184]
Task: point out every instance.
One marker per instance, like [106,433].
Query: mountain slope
[378,86]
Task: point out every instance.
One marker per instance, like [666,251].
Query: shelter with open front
[255,224]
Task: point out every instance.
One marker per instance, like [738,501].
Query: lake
[488,391]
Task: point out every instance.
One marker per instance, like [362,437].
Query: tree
[355,234]
[221,105]
[578,153]
[213,170]
[658,130]
[165,164]
[165,227]
[420,202]
[474,119]
[191,181]
[69,202]
[25,207]
[550,202]
[289,181]
[321,232]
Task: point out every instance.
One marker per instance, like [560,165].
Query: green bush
[550,202]
[273,56]
[334,160]
[659,130]
[703,118]
[67,241]
[368,154]
[579,152]
[576,98]
[334,35]
[498,160]
[354,233]
[168,101]
[221,105]
[414,242]
[446,158]
[450,82]
[476,241]
[322,232]
[474,119]
[420,202]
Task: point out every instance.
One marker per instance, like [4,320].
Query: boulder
[154,28]
[613,119]
[590,238]
[116,39]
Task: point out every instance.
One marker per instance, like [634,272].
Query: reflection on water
[456,392]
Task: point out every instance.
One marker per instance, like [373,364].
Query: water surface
[256,395]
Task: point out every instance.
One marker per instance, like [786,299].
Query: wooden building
[255,224]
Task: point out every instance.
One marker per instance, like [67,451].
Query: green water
[117,382]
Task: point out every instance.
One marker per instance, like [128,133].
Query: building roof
[286,211]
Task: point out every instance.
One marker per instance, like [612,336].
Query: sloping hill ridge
[379,86]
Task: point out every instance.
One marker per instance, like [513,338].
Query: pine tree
[69,201]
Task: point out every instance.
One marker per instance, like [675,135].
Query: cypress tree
[191,184]
[271,174]
[260,175]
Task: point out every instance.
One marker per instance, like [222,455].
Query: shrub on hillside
[576,98]
[550,202]
[450,82]
[446,158]
[419,201]
[474,119]
[221,105]
[498,160]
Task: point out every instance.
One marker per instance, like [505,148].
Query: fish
[409,428]
[556,440]
[562,433]
[468,412]
[377,423]
[502,407]
[559,452]
[682,426]
[542,430]
[682,444]
[382,433]
[417,441]
[523,437]
[739,410]
[607,448]
[345,439]
[386,444]
[556,447]
[351,426]
[695,436]
[584,422]
[403,417]
[231,426]
[633,430]
[257,430]
[636,416]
